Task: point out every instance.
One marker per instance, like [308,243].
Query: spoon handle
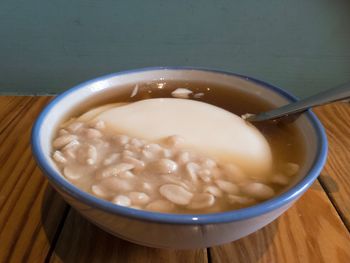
[341,92]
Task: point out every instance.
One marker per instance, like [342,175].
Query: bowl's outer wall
[176,236]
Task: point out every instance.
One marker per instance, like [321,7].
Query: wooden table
[36,225]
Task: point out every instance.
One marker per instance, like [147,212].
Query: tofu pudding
[174,155]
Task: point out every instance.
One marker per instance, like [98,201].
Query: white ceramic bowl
[175,230]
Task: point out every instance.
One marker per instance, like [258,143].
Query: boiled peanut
[258,190]
[59,157]
[280,179]
[114,169]
[75,126]
[71,173]
[201,201]
[139,198]
[242,200]
[215,191]
[176,194]
[164,166]
[192,169]
[121,200]
[291,168]
[161,206]
[227,187]
[63,140]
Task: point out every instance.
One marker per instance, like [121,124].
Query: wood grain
[36,225]
[10,108]
[310,231]
[336,175]
[80,241]
[27,221]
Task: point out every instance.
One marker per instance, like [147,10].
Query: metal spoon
[341,92]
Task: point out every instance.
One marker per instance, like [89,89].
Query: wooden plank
[10,108]
[30,212]
[336,176]
[310,231]
[80,241]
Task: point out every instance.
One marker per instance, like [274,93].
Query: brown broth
[285,140]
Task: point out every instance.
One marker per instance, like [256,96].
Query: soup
[166,175]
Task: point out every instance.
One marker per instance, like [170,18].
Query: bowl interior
[64,103]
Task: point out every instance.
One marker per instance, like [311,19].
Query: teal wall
[46,46]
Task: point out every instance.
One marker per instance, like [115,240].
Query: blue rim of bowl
[213,218]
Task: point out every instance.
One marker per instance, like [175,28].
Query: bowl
[179,231]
